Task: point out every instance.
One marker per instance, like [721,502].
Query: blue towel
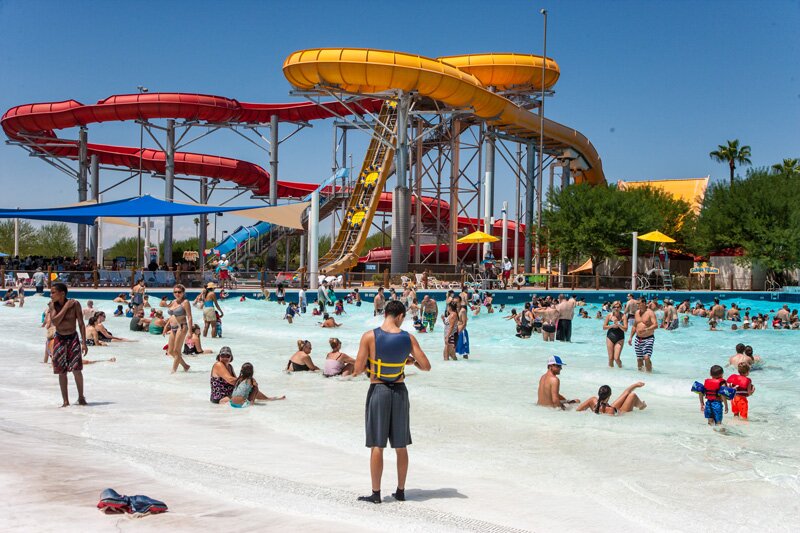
[462,343]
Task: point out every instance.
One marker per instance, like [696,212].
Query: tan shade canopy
[587,266]
[289,216]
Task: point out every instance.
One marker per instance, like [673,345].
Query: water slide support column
[488,186]
[418,168]
[272,252]
[303,250]
[503,239]
[16,237]
[83,169]
[94,253]
[313,241]
[530,166]
[517,209]
[169,193]
[455,175]
[401,204]
[343,164]
[203,233]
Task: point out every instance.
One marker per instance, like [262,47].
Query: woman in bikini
[337,363]
[626,402]
[615,326]
[301,361]
[180,313]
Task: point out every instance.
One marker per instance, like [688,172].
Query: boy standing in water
[744,388]
[712,408]
[384,353]
[66,317]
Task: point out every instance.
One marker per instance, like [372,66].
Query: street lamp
[539,180]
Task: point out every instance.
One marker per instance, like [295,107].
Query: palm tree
[787,166]
[197,228]
[732,154]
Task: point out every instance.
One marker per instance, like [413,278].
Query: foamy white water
[484,456]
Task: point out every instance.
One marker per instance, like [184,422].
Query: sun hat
[211,285]
[555,360]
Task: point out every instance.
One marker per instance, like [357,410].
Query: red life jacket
[740,383]
[712,386]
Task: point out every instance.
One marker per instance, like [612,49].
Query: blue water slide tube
[241,235]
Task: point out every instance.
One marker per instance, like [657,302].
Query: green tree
[596,221]
[124,247]
[732,154]
[787,166]
[27,237]
[760,216]
[54,239]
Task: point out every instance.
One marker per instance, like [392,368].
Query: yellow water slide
[465,82]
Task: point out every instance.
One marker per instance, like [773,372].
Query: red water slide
[35,124]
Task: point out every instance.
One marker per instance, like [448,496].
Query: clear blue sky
[654,85]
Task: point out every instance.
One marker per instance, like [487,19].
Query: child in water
[712,407]
[744,388]
[339,307]
[419,325]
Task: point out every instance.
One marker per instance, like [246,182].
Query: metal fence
[125,278]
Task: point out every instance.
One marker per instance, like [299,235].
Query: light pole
[537,257]
[142,89]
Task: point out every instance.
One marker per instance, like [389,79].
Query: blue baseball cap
[555,360]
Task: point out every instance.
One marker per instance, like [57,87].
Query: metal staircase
[364,196]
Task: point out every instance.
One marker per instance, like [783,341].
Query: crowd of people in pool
[385,351]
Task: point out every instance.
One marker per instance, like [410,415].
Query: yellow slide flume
[457,81]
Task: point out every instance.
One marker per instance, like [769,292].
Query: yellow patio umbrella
[655,236]
[477,237]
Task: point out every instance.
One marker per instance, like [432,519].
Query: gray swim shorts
[387,415]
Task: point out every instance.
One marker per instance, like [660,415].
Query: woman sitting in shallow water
[337,363]
[301,361]
[626,402]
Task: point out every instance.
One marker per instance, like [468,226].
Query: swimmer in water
[627,401]
[549,393]
[329,322]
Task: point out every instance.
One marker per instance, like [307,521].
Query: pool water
[475,422]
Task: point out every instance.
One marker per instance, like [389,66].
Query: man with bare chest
[68,347]
[645,324]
